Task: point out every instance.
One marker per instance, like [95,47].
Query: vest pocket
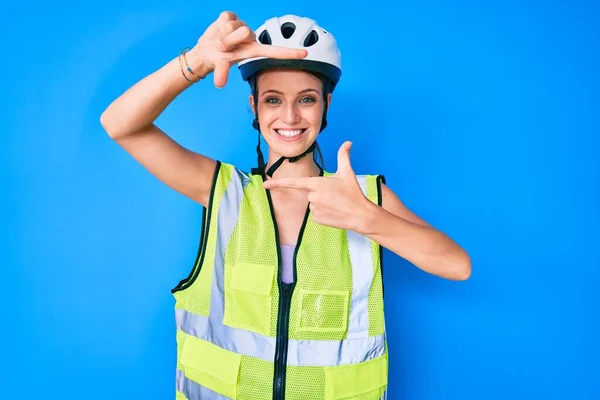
[211,366]
[323,311]
[367,380]
[248,297]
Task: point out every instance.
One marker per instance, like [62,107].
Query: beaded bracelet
[187,67]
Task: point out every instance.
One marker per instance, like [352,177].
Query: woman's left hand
[335,200]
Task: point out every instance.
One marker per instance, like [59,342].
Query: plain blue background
[484,119]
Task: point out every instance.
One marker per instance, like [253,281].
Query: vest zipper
[283,317]
[281,347]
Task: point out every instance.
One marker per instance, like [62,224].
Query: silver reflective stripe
[334,352]
[194,391]
[359,247]
[236,340]
[300,352]
[229,211]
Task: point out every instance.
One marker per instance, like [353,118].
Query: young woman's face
[290,110]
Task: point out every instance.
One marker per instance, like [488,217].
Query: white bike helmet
[298,33]
[324,58]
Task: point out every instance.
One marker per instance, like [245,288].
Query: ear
[251,101]
[328,101]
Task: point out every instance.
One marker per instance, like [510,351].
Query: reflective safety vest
[242,333]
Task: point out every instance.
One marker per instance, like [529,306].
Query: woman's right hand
[228,41]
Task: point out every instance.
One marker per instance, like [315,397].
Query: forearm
[425,247]
[141,104]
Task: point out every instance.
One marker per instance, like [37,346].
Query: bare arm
[129,120]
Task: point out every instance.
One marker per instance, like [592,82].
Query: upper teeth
[289,132]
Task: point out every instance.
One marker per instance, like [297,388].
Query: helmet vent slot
[288,29]
[264,37]
[312,38]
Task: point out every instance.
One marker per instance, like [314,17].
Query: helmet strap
[260,170]
[278,163]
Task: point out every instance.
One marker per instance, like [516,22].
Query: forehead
[288,81]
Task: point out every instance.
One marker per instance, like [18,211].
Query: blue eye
[307,100]
[272,100]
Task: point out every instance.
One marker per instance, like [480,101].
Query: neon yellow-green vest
[244,334]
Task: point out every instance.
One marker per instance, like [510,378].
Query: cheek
[312,114]
[266,116]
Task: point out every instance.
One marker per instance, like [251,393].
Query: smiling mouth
[290,133]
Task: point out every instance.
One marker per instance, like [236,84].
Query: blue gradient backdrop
[485,119]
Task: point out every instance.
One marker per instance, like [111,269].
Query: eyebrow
[300,92]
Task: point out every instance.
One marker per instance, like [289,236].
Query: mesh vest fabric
[238,332]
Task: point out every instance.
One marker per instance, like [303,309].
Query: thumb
[344,164]
[221,72]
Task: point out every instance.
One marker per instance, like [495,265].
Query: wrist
[195,61]
[366,217]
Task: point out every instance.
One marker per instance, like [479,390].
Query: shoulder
[229,176]
[371,185]
[227,170]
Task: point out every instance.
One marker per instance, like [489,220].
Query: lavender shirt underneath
[287,258]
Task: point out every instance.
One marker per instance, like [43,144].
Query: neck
[305,167]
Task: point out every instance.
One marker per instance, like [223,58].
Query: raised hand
[229,40]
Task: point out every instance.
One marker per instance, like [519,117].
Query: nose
[290,114]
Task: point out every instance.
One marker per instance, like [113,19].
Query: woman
[285,299]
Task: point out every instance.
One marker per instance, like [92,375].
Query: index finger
[292,183]
[270,51]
